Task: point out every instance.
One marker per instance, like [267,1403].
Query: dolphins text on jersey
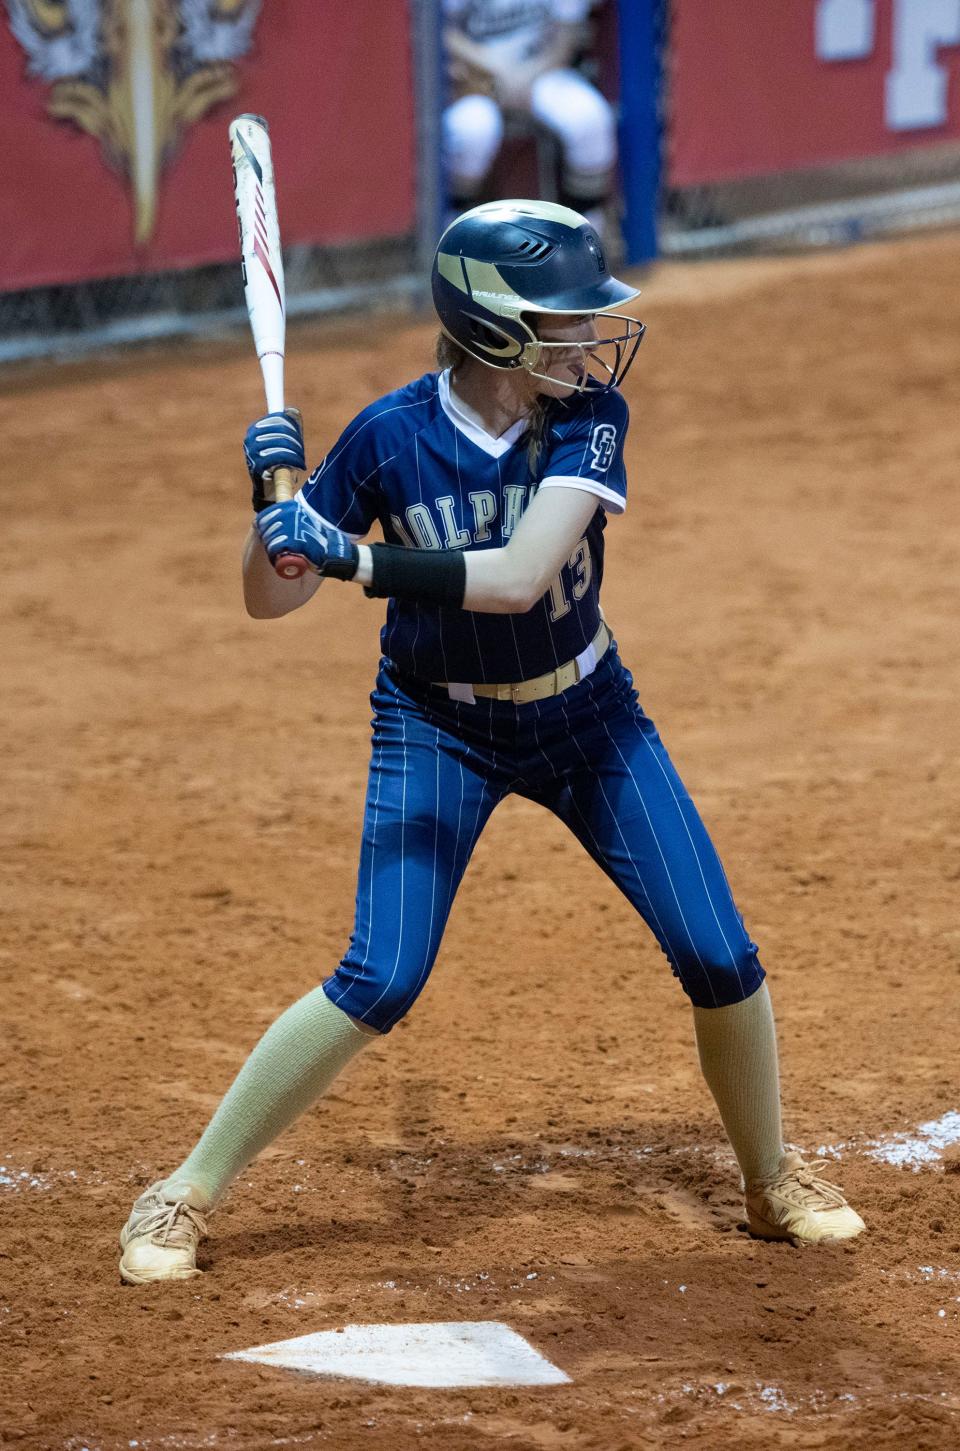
[397,462]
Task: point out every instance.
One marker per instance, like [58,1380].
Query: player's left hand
[469,80]
[289,528]
[272,442]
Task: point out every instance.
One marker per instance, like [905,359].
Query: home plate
[452,1353]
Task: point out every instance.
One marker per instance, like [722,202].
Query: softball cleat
[160,1239]
[798,1205]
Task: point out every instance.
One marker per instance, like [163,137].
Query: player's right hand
[275,441]
[289,528]
[469,80]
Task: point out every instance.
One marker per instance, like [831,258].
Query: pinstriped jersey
[434,479]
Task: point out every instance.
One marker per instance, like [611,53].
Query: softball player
[492,480]
[514,57]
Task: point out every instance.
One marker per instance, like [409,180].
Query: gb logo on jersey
[603,445]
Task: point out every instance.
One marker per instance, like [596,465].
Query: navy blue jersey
[436,480]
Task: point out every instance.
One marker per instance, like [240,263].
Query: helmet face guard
[601,364]
[501,266]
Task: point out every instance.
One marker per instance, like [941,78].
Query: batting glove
[272,442]
[289,528]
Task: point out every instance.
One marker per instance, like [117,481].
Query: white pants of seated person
[563,100]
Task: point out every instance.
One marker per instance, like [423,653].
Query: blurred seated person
[513,58]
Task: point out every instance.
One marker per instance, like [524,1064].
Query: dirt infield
[180,818]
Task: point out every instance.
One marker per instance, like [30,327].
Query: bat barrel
[263,283]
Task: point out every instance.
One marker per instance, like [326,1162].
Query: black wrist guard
[426,576]
[342,565]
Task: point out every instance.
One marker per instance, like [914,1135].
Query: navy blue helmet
[500,265]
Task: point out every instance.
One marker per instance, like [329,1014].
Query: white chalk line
[758,1398]
[908,1149]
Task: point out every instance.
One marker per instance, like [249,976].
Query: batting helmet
[500,264]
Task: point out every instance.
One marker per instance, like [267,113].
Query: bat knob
[291,566]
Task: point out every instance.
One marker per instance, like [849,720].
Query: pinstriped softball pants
[590,755]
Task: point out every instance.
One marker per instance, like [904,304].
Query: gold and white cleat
[159,1240]
[797,1204]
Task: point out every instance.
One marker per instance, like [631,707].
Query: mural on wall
[135,74]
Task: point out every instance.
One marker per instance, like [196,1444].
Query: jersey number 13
[581,567]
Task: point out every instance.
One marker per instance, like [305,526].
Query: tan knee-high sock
[294,1062]
[738,1055]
